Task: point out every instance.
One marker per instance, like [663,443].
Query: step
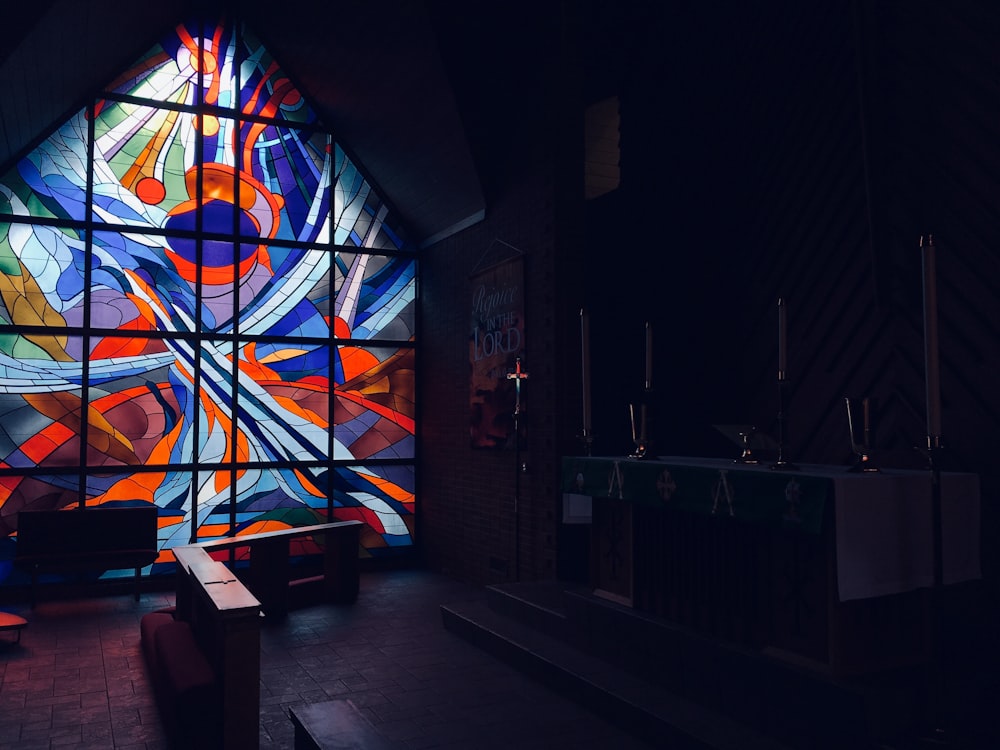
[651,712]
[336,724]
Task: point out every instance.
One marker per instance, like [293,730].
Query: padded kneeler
[148,625]
[191,697]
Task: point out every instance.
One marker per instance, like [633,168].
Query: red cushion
[185,668]
[190,695]
[148,625]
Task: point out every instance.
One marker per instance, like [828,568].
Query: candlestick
[649,356]
[931,363]
[585,349]
[867,416]
[782,340]
[934,447]
[640,438]
[861,448]
[782,462]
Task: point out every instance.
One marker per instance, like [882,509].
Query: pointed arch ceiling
[371,70]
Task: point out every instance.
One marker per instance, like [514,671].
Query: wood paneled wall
[802,151]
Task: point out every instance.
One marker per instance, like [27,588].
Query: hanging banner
[495,342]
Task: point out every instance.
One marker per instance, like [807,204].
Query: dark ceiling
[373,71]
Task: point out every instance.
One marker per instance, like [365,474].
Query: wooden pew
[86,540]
[269,574]
[225,620]
[218,705]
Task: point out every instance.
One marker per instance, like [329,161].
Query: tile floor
[77,678]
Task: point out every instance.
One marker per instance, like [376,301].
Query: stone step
[652,713]
[593,647]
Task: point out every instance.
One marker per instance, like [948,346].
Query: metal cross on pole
[517,376]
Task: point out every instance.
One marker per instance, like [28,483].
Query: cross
[517,376]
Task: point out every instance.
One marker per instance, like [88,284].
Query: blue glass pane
[51,181]
[376,296]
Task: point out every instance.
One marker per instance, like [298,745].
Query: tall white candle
[931,363]
[585,357]
[782,340]
[649,356]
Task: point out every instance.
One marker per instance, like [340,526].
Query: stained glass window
[206,305]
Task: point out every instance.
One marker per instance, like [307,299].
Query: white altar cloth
[884,531]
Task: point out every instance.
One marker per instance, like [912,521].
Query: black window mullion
[88,255]
[198,256]
[237,341]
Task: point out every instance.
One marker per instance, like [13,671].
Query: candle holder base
[641,450]
[864,465]
[639,436]
[862,449]
[747,457]
[935,738]
[782,464]
[934,452]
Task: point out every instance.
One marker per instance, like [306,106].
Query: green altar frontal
[793,500]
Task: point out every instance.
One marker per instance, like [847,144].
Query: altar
[820,564]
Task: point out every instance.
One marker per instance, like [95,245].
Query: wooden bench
[95,539]
[204,654]
[204,657]
[335,725]
[270,574]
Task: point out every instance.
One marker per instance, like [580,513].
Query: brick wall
[528,132]
[467,496]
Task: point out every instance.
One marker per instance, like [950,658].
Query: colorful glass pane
[382,497]
[141,413]
[41,429]
[41,278]
[376,296]
[283,401]
[295,165]
[50,182]
[266,89]
[41,491]
[176,64]
[374,405]
[176,492]
[135,286]
[41,406]
[143,170]
[360,217]
[294,300]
